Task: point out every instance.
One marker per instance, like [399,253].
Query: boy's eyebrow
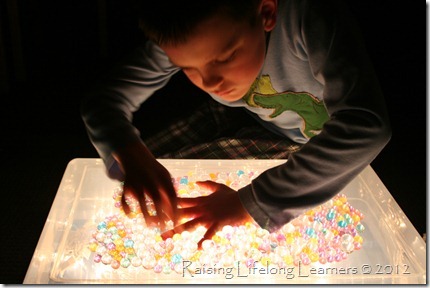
[230,45]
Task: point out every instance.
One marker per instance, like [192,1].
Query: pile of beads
[324,234]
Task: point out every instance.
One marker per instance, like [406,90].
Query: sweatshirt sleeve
[356,132]
[107,110]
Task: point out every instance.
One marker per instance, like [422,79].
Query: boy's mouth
[224,93]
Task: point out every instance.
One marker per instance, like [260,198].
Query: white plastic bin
[392,253]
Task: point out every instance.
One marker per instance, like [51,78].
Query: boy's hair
[172,21]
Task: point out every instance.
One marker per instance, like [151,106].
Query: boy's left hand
[222,207]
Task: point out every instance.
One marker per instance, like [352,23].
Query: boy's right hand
[144,175]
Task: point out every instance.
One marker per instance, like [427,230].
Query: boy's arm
[108,108]
[108,111]
[356,132]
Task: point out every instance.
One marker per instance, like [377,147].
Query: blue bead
[330,215]
[310,231]
[101,225]
[342,223]
[176,258]
[129,243]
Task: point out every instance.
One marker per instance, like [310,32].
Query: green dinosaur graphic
[308,107]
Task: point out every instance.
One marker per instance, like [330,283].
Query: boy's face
[223,56]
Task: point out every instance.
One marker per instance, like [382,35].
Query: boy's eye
[226,60]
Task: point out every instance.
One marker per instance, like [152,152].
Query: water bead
[358,239]
[111,246]
[360,227]
[342,223]
[176,258]
[167,269]
[97,258]
[106,259]
[115,264]
[347,244]
[331,215]
[158,268]
[93,247]
[136,261]
[125,262]
[184,180]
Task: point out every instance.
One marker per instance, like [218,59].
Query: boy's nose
[211,81]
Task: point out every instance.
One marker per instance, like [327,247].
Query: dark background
[51,51]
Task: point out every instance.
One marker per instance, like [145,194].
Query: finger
[124,203]
[149,220]
[189,213]
[208,235]
[167,207]
[208,186]
[190,202]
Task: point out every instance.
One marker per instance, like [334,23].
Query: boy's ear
[268,11]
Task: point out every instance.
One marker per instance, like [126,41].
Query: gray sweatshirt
[316,87]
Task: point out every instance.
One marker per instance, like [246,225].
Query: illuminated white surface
[392,248]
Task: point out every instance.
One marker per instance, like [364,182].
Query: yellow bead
[213,176]
[265,261]
[335,232]
[158,238]
[118,242]
[110,224]
[358,239]
[122,233]
[343,199]
[117,257]
[93,247]
[306,250]
[356,218]
[310,212]
[228,182]
[129,251]
[288,259]
[191,186]
[224,241]
[196,256]
[337,202]
[168,256]
[313,241]
[313,257]
[120,248]
[345,208]
[176,237]
[216,239]
[254,245]
[182,192]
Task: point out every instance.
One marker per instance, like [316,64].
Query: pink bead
[158,268]
[249,262]
[97,258]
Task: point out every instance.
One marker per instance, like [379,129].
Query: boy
[298,66]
